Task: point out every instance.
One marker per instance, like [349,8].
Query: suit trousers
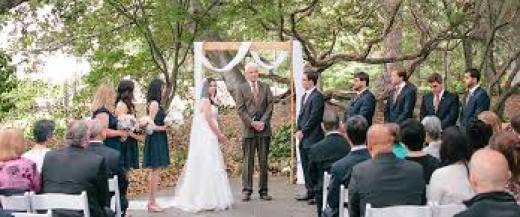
[304,158]
[261,145]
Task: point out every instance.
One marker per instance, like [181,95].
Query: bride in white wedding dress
[204,183]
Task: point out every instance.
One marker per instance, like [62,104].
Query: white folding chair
[447,210]
[115,202]
[52,201]
[343,199]
[24,214]
[326,182]
[16,203]
[399,211]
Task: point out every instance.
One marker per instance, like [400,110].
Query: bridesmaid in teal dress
[156,151]
[129,149]
[103,110]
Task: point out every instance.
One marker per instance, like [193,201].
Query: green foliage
[8,82]
[281,142]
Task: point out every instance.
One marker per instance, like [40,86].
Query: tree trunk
[392,47]
[468,52]
[446,66]
[6,5]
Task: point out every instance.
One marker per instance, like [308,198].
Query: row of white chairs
[430,210]
[31,202]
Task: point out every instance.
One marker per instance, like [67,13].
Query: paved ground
[283,204]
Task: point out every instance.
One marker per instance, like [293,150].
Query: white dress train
[204,183]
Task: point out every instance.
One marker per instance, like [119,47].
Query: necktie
[255,91]
[397,92]
[304,98]
[468,97]
[436,102]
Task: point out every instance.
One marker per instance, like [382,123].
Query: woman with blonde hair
[492,119]
[103,108]
[17,174]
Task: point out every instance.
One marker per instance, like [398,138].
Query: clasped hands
[258,125]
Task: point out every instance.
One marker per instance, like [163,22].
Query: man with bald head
[384,180]
[254,102]
[489,174]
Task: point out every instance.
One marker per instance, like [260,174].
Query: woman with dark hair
[204,184]
[129,150]
[478,134]
[156,151]
[508,143]
[125,106]
[450,184]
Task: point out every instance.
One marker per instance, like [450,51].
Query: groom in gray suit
[254,102]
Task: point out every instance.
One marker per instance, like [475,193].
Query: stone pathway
[282,205]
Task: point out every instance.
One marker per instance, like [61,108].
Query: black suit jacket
[321,157]
[364,105]
[72,170]
[490,205]
[478,102]
[340,175]
[403,107]
[448,108]
[114,165]
[310,118]
[385,181]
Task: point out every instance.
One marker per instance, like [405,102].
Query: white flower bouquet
[175,117]
[127,123]
[147,124]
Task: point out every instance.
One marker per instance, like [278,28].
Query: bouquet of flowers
[147,125]
[175,116]
[127,123]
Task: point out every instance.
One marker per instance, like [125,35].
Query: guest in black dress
[103,110]
[156,153]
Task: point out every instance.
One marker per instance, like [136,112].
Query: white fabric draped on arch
[201,62]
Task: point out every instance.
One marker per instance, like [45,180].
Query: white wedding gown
[204,183]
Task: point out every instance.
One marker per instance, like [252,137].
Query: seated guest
[385,180]
[491,119]
[478,134]
[432,126]
[508,144]
[111,157]
[450,183]
[357,128]
[73,169]
[43,131]
[324,153]
[397,148]
[489,174]
[412,136]
[17,174]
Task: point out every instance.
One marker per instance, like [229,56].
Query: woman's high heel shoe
[154,208]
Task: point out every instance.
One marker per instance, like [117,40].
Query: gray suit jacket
[249,111]
[385,181]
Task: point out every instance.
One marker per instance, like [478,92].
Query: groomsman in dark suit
[364,103]
[476,100]
[400,105]
[309,130]
[440,102]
